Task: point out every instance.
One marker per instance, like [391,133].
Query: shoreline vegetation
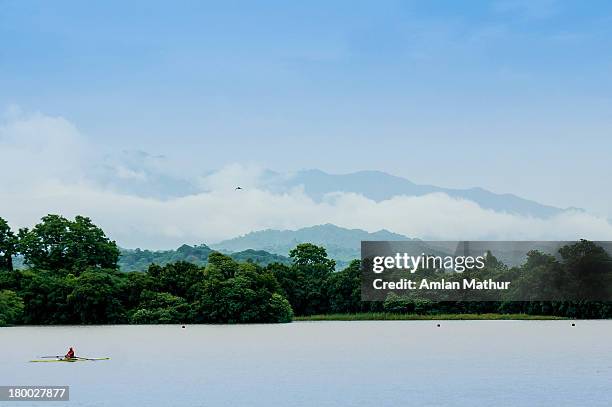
[72,277]
[385,316]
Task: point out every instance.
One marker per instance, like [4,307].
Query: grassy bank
[382,316]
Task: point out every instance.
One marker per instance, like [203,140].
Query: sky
[509,95]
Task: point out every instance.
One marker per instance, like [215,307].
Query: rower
[70,354]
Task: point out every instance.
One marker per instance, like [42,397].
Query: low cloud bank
[48,167]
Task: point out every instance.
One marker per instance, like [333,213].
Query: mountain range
[151,176]
[342,245]
[264,247]
[379,186]
[139,260]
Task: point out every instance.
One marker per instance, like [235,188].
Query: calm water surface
[379,363]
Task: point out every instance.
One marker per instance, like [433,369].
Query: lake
[377,363]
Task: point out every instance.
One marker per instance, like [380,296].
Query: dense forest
[73,277]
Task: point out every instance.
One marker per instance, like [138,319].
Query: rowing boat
[70,360]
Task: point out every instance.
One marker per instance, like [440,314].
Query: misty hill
[378,186]
[142,174]
[342,244]
[139,260]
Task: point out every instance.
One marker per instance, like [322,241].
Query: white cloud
[232,176]
[36,148]
[44,163]
[127,173]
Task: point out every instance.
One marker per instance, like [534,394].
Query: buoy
[183,327]
[438,325]
[573,324]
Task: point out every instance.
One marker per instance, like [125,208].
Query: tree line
[72,277]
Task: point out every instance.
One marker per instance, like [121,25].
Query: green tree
[293,285]
[304,283]
[308,254]
[160,308]
[10,280]
[45,297]
[11,308]
[176,278]
[542,277]
[590,269]
[8,246]
[277,309]
[132,286]
[252,295]
[95,297]
[224,264]
[58,243]
[397,304]
[344,289]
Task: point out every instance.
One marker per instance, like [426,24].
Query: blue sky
[510,95]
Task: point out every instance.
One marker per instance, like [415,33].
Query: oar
[93,359]
[51,357]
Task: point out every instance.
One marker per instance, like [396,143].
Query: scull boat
[70,360]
